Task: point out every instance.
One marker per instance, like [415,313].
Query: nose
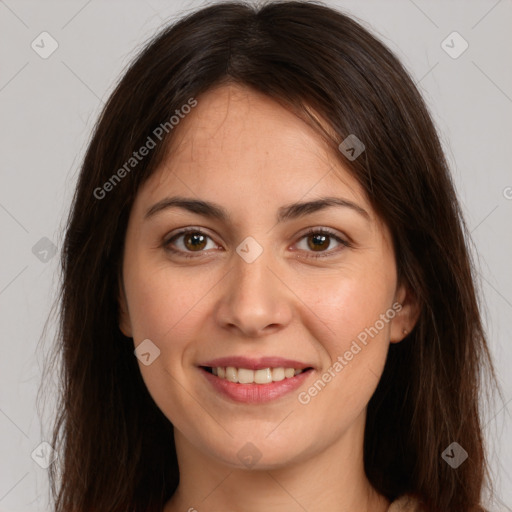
[254,300]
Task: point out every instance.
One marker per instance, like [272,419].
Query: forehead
[240,146]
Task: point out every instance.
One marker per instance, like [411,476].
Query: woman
[268,302]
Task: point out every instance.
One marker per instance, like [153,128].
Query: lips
[255,380]
[256,364]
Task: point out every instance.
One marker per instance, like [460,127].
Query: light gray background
[47,110]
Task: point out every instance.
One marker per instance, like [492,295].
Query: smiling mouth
[247,376]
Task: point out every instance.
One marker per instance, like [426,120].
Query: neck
[333,479]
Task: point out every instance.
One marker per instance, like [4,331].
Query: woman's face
[245,290]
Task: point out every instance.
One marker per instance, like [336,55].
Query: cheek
[347,306]
[164,304]
[351,320]
[164,308]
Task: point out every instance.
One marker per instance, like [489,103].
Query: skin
[245,152]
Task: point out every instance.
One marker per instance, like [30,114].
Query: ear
[405,319]
[124,316]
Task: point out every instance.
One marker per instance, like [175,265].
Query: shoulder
[405,503]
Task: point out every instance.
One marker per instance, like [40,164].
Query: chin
[259,455]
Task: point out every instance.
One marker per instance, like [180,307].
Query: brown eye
[319,240]
[194,241]
[188,241]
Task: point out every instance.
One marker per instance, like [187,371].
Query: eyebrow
[284,213]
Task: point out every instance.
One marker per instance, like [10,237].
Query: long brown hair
[116,447]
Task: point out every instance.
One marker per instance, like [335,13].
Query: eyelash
[311,231]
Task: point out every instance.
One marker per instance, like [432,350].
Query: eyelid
[342,239]
[181,232]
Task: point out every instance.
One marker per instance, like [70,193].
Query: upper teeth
[246,376]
